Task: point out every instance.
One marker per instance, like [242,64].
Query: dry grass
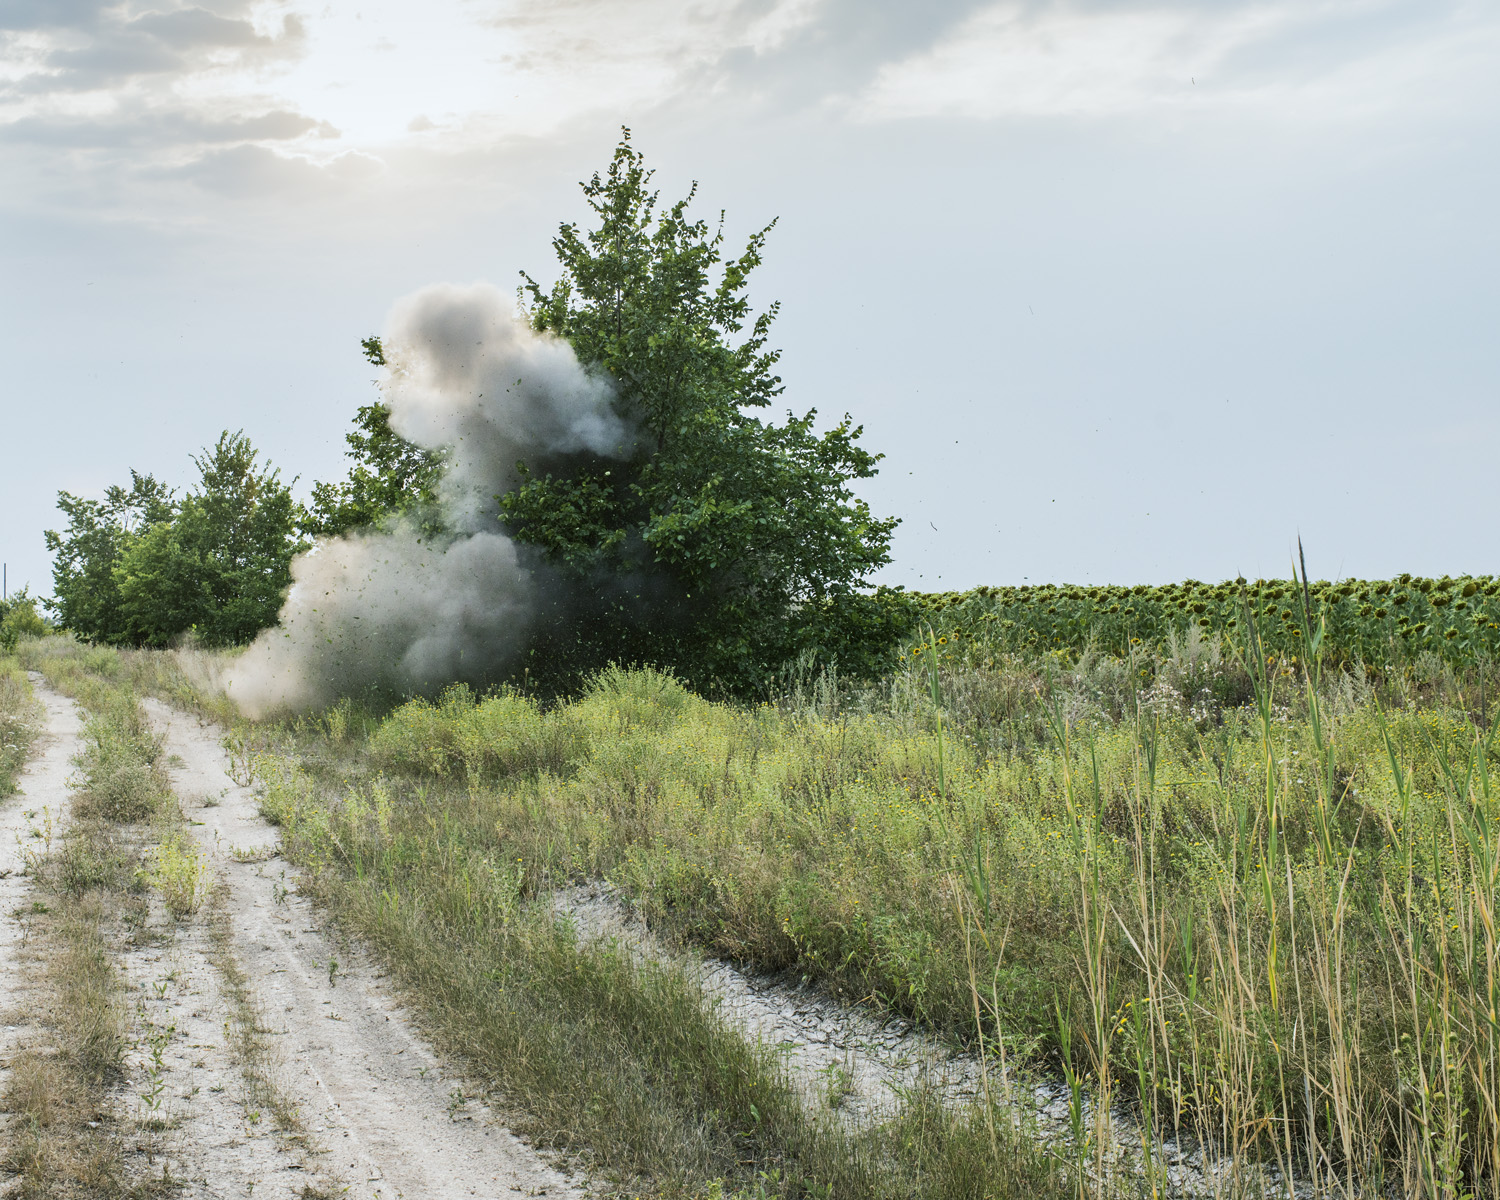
[67,1138]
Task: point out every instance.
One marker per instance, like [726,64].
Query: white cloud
[255,94]
[1020,60]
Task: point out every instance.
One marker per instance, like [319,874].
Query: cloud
[197,28]
[132,96]
[249,170]
[240,93]
[25,15]
[1016,59]
[101,48]
[133,127]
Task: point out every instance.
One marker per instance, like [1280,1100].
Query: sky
[1125,292]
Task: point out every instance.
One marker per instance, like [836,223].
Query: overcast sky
[1126,292]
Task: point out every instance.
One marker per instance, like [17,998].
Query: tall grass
[1244,897]
[622,1063]
[1263,927]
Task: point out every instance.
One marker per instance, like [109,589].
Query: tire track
[30,819]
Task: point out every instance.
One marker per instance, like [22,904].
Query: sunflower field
[1380,623]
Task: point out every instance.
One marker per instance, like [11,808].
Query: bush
[120,762]
[502,735]
[19,618]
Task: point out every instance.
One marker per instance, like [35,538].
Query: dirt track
[384,1116]
[37,809]
[367,1110]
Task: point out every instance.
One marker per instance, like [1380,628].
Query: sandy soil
[26,821]
[183,1085]
[387,1117]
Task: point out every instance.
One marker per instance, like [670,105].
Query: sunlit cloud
[311,86]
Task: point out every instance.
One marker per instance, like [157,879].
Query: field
[1376,623]
[1233,884]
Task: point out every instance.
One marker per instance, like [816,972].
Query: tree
[390,475]
[221,567]
[728,545]
[86,594]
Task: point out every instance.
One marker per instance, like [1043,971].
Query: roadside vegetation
[1268,925]
[1247,896]
[20,722]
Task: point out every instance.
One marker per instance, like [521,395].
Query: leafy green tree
[729,545]
[221,567]
[86,594]
[390,475]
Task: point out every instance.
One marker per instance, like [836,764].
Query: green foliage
[1377,623]
[19,618]
[121,764]
[20,723]
[140,568]
[389,477]
[498,736]
[86,593]
[727,546]
[221,567]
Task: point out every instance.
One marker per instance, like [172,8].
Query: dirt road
[26,820]
[388,1117]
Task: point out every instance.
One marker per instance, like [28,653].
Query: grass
[20,722]
[1269,926]
[1246,896]
[621,1064]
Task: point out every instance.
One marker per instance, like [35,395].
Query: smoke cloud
[392,608]
[470,379]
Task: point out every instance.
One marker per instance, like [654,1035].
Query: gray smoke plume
[467,377]
[392,608]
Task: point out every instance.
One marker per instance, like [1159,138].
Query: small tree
[86,594]
[390,475]
[222,566]
[19,618]
[729,545]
